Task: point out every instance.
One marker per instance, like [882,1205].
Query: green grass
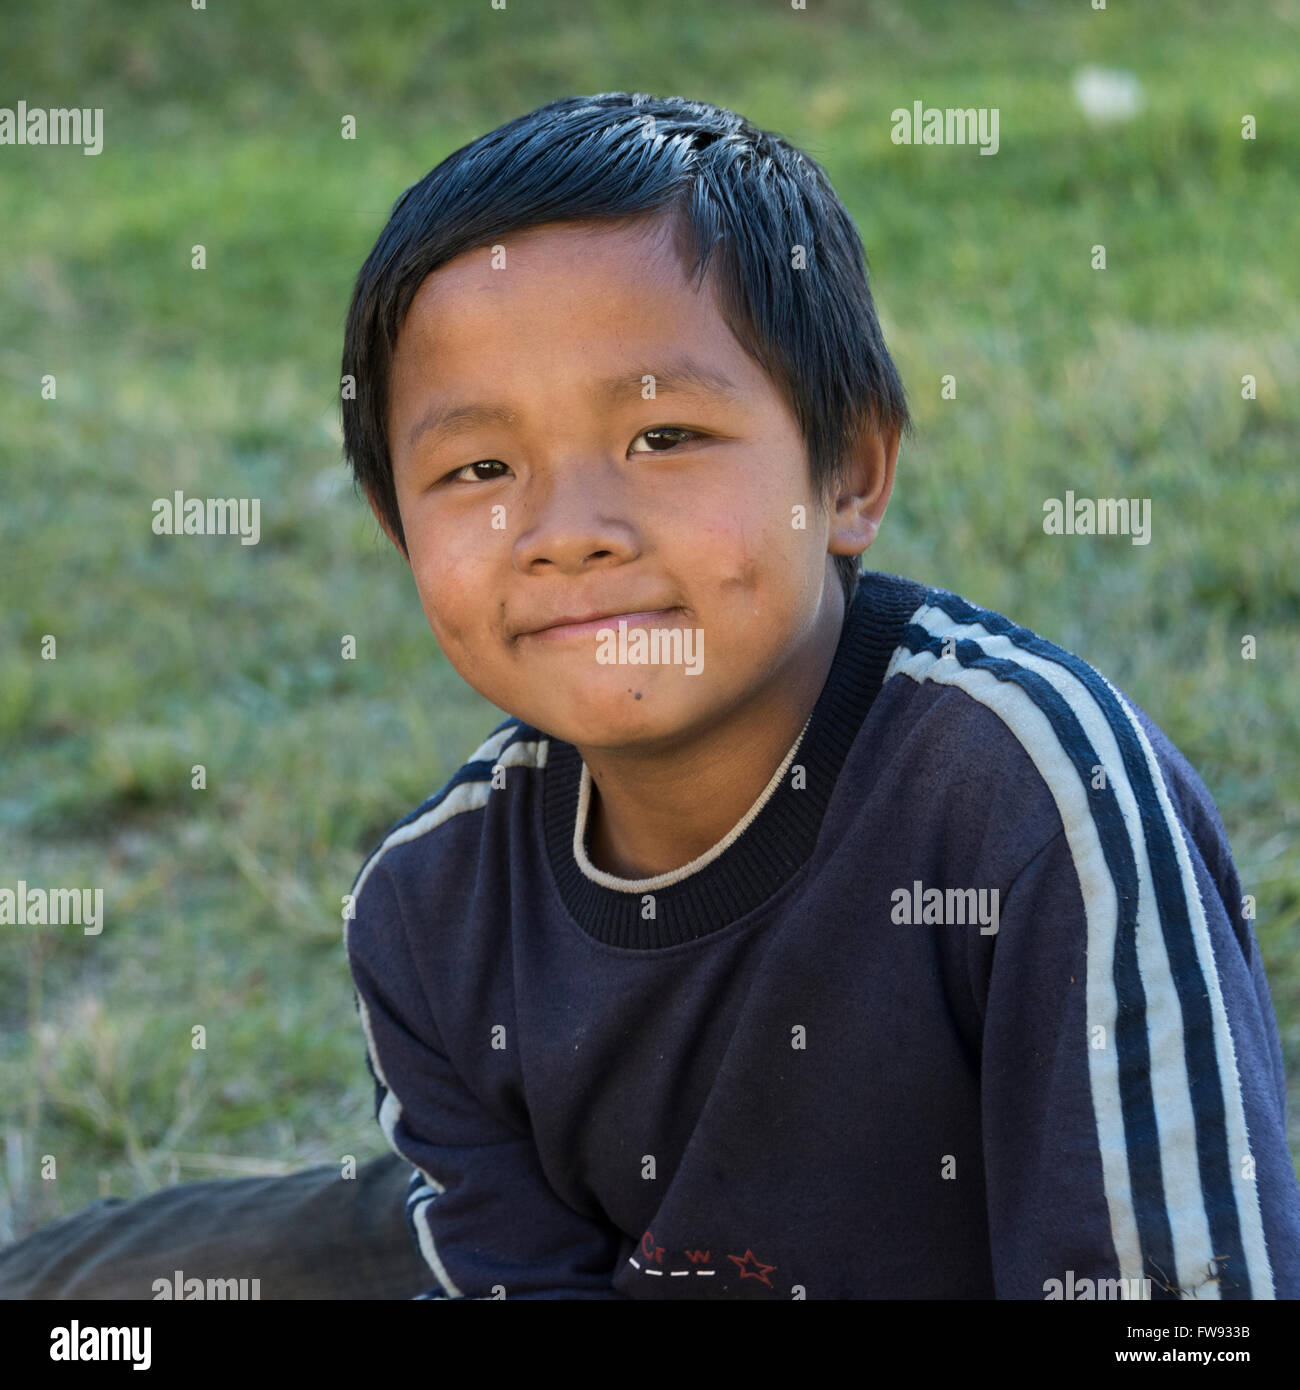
[222,128]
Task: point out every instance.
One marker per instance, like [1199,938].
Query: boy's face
[544,498]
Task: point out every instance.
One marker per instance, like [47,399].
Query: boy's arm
[479,1208]
[1133,1096]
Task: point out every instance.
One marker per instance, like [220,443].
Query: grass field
[222,128]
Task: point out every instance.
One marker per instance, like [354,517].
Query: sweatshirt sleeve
[1133,1098]
[479,1207]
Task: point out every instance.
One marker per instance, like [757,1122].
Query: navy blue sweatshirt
[967,1006]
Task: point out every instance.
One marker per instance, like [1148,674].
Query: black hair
[741,193]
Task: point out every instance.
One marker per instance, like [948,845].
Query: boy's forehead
[558,258]
[570,297]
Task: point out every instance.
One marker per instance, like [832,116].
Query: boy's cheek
[755,559]
[452,601]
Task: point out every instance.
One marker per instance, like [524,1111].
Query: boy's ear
[859,500]
[387,529]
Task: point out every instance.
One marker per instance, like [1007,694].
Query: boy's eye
[455,476]
[661,431]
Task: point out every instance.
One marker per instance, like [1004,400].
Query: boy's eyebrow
[682,377]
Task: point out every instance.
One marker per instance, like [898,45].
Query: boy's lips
[577,626]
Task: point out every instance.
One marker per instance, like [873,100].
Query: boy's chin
[628,712]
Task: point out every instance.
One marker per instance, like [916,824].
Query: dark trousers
[309,1235]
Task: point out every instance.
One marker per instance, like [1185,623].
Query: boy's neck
[652,815]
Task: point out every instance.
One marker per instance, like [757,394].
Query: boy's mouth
[578,625]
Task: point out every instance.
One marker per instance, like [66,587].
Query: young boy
[799,935]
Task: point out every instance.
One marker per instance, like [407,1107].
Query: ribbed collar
[782,830]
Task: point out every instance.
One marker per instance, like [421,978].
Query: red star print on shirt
[760,1273]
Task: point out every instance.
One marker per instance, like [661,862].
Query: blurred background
[222,127]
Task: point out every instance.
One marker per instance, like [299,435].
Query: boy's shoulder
[1007,709]
[443,818]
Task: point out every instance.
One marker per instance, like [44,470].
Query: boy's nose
[581,520]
